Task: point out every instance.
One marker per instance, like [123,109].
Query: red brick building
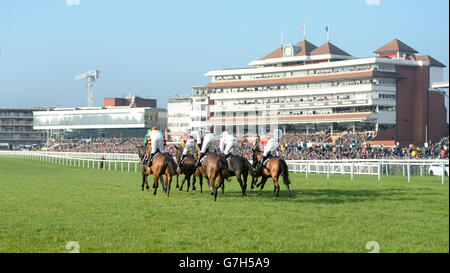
[421,114]
[138,102]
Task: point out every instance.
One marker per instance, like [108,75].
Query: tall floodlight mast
[91,76]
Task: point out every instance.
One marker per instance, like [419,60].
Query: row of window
[386,96]
[380,67]
[377,81]
[170,124]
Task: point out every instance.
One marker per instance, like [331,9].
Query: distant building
[16,128]
[131,120]
[178,116]
[137,102]
[305,87]
[187,114]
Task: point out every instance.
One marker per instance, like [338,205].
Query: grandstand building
[107,121]
[305,87]
[16,128]
[187,114]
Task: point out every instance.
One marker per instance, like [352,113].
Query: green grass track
[43,206]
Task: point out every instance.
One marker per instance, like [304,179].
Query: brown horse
[188,169]
[274,167]
[240,167]
[146,171]
[213,166]
[162,164]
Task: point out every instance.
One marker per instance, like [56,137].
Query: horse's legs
[143,182]
[210,186]
[238,177]
[169,180]
[155,183]
[223,187]
[201,183]
[177,186]
[244,178]
[276,186]
[263,182]
[289,191]
[219,183]
[189,182]
[161,180]
[182,183]
[193,182]
[254,180]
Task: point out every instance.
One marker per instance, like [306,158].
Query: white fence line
[128,162]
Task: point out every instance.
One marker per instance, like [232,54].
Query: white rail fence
[130,162]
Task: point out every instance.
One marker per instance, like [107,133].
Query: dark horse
[188,169]
[240,167]
[162,164]
[274,167]
[213,166]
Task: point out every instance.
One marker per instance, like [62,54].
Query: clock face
[288,51]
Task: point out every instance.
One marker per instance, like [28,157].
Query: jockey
[188,143]
[207,140]
[228,144]
[155,138]
[270,147]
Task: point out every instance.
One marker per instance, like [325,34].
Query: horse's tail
[223,166]
[284,172]
[172,164]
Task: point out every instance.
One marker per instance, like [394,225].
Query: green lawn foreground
[44,206]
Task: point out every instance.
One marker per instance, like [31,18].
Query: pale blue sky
[158,49]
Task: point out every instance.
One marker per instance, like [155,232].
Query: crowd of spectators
[297,145]
[96,145]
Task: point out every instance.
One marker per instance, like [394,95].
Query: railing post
[409,172]
[328,170]
[443,173]
[352,170]
[379,171]
[307,169]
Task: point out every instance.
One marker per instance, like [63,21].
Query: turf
[43,206]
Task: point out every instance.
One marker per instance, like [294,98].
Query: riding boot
[261,164]
[197,164]
[180,164]
[150,159]
[144,160]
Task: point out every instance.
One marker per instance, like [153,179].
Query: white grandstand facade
[305,87]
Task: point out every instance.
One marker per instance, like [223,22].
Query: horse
[146,171]
[162,164]
[240,167]
[213,166]
[274,167]
[188,169]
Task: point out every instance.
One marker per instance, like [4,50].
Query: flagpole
[281,38]
[304,30]
[328,33]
